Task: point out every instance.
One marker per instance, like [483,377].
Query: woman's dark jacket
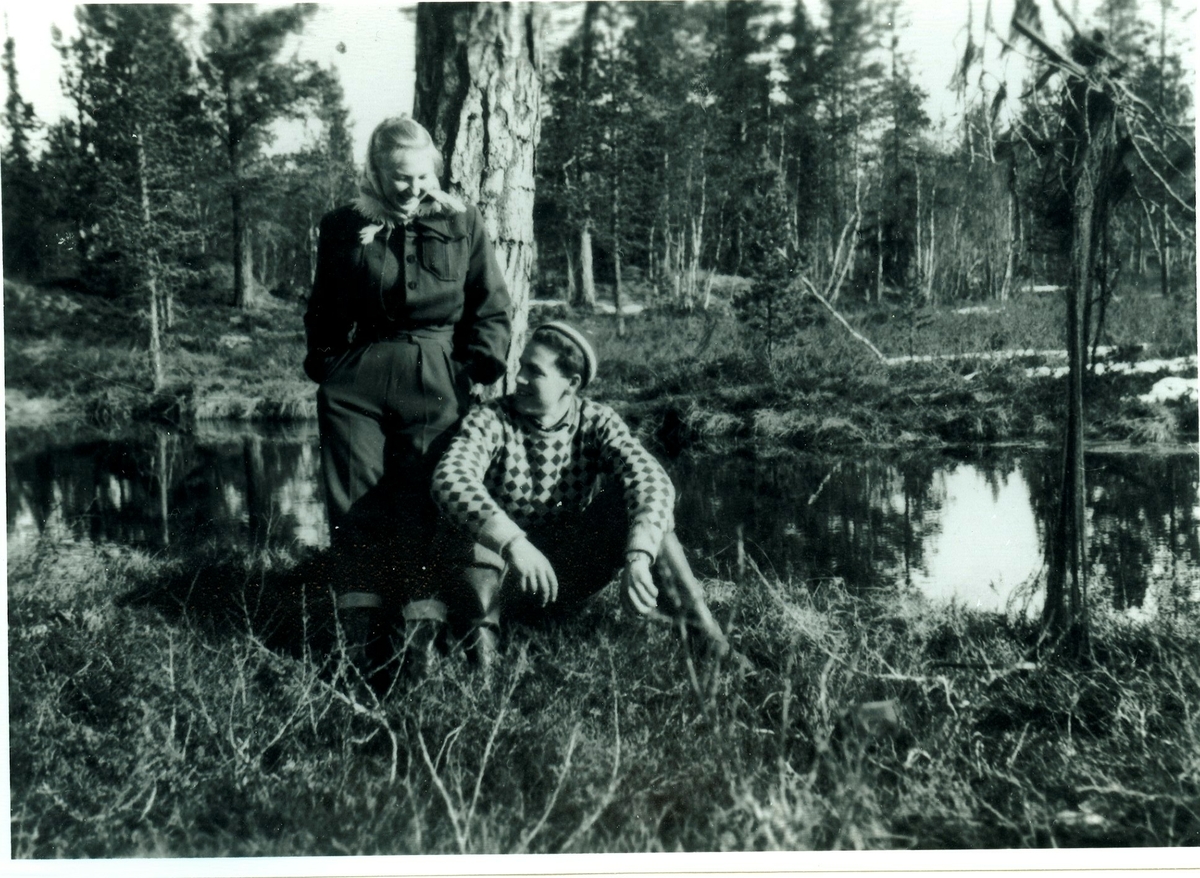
[376,282]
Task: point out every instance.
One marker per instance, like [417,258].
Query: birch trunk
[572,292]
[878,261]
[919,280]
[930,263]
[693,268]
[162,465]
[1014,232]
[587,271]
[671,265]
[616,252]
[242,257]
[149,268]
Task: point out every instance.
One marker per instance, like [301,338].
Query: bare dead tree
[1104,127]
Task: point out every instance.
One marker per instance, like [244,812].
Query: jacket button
[410,259]
[412,284]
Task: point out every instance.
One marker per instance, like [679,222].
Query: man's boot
[483,636]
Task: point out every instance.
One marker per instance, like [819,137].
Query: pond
[968,529]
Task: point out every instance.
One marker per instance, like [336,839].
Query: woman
[408,308]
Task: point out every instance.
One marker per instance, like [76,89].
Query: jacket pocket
[334,361]
[444,258]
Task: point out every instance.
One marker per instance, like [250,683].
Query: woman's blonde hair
[402,132]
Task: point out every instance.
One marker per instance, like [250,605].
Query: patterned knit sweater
[503,474]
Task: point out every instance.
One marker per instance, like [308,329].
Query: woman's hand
[640,591]
[533,569]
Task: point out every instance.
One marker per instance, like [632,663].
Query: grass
[696,380]
[200,707]
[88,355]
[702,381]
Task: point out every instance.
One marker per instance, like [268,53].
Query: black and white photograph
[753,435]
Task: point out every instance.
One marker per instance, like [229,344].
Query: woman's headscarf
[396,133]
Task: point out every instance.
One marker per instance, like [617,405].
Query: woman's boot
[357,613]
[424,621]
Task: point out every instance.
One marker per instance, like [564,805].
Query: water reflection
[989,546]
[229,488]
[970,531]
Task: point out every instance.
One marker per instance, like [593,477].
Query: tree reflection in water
[924,522]
[934,523]
[228,489]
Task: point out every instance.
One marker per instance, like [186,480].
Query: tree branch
[1189,208]
[813,291]
[1051,53]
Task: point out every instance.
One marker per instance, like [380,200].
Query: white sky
[377,64]
[376,67]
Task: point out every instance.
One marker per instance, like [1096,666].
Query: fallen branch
[572,741]
[813,291]
[1053,55]
[460,834]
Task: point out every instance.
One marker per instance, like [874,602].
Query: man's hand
[533,570]
[640,591]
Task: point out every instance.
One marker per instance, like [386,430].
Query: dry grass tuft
[202,707]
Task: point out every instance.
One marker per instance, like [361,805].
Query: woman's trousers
[386,411]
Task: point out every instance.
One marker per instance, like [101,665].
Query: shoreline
[705,427]
[695,381]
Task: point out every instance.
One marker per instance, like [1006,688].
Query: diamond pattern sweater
[504,474]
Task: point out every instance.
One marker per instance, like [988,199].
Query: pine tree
[899,152]
[569,170]
[1161,81]
[742,90]
[479,94]
[22,204]
[802,150]
[132,84]
[850,78]
[300,188]
[770,308]
[246,89]
[685,123]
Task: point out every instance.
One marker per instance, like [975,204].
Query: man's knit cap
[590,363]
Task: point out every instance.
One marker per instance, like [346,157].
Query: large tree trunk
[243,253]
[478,92]
[241,256]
